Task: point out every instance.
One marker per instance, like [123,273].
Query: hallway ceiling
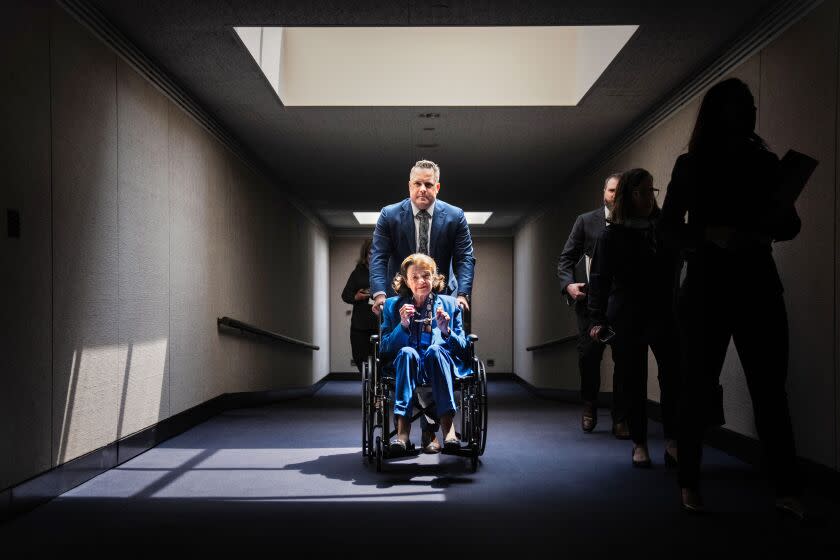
[508,160]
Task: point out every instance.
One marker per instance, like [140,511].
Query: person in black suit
[632,287]
[363,323]
[720,208]
[581,243]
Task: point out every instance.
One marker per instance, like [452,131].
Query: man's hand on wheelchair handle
[462,301]
[378,303]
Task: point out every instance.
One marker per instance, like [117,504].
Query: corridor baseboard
[44,487]
[563,395]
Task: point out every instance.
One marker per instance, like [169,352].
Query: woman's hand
[595,331]
[442,318]
[361,294]
[406,313]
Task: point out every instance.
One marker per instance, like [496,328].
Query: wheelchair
[378,425]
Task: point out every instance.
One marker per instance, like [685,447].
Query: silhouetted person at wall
[422,223]
[363,323]
[720,208]
[631,292]
[581,243]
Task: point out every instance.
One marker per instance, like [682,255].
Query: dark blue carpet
[291,475]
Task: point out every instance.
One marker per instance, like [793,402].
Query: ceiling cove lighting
[370,218]
[474,66]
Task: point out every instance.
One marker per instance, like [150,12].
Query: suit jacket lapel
[407,226]
[438,219]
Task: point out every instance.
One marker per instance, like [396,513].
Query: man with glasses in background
[575,256]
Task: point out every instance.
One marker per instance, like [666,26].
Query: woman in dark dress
[363,322]
[721,209]
[632,279]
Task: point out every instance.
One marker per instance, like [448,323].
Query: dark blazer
[585,233]
[395,337]
[450,246]
[633,276]
[363,318]
[731,188]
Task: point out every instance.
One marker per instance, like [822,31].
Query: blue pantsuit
[435,367]
[433,359]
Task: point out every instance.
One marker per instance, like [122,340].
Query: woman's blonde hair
[425,262]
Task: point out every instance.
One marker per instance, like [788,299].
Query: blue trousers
[435,367]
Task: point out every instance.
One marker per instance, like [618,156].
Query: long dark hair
[726,117]
[629,181]
[363,252]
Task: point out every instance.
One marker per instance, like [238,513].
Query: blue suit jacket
[394,336]
[450,245]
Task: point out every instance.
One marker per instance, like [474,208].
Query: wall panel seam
[53,460]
[117,275]
[836,426]
[169,349]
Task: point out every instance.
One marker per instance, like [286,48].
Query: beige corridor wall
[138,230]
[795,83]
[492,299]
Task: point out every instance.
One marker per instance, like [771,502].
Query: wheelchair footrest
[410,450]
[463,450]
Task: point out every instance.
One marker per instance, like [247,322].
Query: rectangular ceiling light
[366,218]
[477,217]
[370,218]
[460,66]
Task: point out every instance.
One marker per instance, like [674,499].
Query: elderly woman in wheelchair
[422,332]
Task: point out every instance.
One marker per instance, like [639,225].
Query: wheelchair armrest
[473,337]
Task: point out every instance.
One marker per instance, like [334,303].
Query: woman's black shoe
[691,501]
[792,506]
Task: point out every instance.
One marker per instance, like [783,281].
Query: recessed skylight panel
[433,66]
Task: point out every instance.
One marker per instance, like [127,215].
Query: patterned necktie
[423,243]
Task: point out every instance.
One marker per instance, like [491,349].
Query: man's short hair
[426,164]
[616,176]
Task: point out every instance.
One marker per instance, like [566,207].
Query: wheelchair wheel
[467,417]
[481,408]
[474,452]
[367,413]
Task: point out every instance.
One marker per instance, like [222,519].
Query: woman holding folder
[722,209]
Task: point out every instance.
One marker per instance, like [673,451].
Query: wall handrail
[245,327]
[550,343]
